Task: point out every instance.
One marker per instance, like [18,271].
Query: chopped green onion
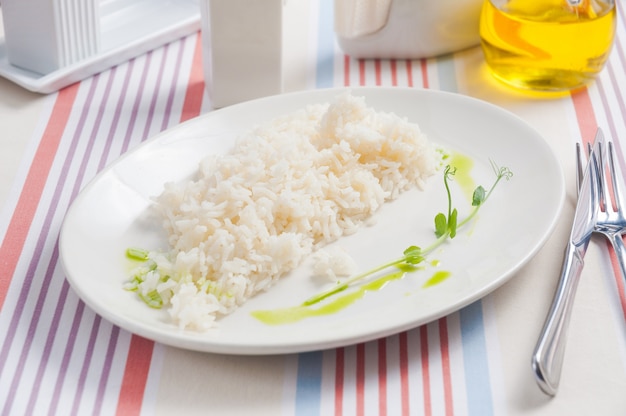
[137,254]
[152,299]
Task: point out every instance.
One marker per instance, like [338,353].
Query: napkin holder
[253,48]
[49,44]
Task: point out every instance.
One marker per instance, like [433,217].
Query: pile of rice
[286,189]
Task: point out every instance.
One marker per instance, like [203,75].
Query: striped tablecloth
[58,357]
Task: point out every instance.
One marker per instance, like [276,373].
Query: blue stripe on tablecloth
[309,383]
[447,74]
[325,46]
[477,381]
[309,376]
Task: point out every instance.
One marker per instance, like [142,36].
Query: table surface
[58,356]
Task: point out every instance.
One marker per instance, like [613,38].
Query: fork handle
[547,359]
[620,252]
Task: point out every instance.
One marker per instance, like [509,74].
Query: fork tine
[605,197]
[616,175]
[579,166]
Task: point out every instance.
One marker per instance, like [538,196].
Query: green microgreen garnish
[446,226]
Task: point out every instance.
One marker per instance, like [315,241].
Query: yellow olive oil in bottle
[549,45]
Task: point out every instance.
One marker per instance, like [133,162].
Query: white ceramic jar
[406,28]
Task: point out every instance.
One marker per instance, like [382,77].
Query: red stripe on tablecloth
[346,70]
[425,370]
[382,377]
[409,73]
[135,376]
[362,72]
[424,68]
[339,376]
[377,66]
[394,72]
[585,116]
[24,212]
[360,379]
[195,90]
[404,373]
[445,366]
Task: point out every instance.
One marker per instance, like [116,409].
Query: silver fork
[611,220]
[547,357]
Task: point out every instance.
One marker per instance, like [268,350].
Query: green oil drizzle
[437,278]
[307,310]
[464,165]
[298,313]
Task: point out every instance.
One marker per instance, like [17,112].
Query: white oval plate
[114,212]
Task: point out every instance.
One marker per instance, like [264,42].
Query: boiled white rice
[287,188]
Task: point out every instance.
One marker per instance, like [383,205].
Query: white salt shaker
[250,47]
